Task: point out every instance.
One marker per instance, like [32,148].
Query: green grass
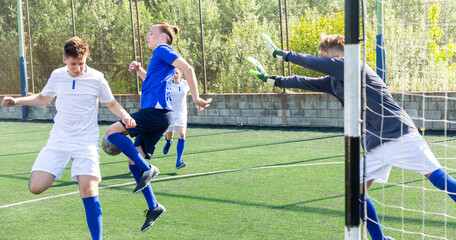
[280,189]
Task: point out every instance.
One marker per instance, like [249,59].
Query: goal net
[412,45]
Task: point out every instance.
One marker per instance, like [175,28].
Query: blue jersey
[156,88]
[385,119]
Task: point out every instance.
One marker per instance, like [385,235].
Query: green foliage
[420,45]
[418,66]
[306,32]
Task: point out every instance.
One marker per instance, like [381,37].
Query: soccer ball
[108,147]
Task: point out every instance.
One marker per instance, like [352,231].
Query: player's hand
[8,102]
[260,73]
[201,103]
[273,50]
[134,66]
[129,122]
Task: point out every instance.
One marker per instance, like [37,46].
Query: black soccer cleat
[146,177]
[152,216]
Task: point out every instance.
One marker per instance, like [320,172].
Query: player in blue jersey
[75,132]
[154,117]
[392,139]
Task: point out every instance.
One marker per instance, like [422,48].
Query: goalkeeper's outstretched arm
[322,84]
[260,73]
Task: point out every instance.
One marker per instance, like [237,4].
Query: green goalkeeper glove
[260,72]
[275,52]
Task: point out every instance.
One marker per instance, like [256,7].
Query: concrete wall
[300,109]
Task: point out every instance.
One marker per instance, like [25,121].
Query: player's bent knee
[88,192]
[40,181]
[109,131]
[36,189]
[116,128]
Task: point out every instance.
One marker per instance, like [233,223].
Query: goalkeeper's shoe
[180,164]
[388,238]
[146,177]
[275,52]
[259,72]
[152,216]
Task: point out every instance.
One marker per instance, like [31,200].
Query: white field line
[171,177]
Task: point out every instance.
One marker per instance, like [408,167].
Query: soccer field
[239,184]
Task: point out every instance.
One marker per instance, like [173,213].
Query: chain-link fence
[216,38]
[228,31]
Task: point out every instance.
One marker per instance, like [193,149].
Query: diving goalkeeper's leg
[443,181]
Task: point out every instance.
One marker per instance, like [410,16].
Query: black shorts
[151,124]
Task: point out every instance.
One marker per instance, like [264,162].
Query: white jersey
[76,120]
[179,99]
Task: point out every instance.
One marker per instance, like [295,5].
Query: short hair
[168,30]
[75,47]
[331,42]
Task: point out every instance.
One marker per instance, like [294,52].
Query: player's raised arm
[33,100]
[189,74]
[136,66]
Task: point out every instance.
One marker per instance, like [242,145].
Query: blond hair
[331,42]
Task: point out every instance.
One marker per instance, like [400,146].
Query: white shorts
[54,158]
[409,152]
[177,122]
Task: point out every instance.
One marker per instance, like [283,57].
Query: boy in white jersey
[75,132]
[179,90]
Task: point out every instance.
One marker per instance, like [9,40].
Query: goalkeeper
[392,140]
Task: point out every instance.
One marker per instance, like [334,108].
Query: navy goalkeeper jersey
[385,119]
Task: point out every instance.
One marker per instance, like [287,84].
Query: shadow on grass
[18,154]
[123,161]
[250,146]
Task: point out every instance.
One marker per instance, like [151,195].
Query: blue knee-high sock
[94,216]
[438,179]
[126,146]
[180,148]
[372,222]
[147,192]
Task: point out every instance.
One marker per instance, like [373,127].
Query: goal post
[352,110]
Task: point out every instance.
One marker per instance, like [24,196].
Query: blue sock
[167,145]
[180,148]
[147,192]
[372,222]
[438,179]
[94,216]
[124,144]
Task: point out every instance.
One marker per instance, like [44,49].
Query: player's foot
[145,178]
[388,238]
[275,52]
[152,215]
[167,146]
[180,164]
